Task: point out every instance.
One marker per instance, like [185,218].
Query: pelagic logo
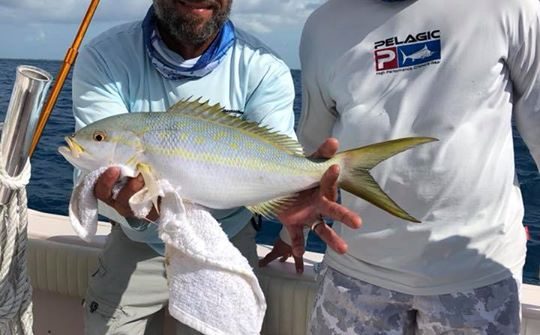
[394,54]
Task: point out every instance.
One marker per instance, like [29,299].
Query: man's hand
[309,208]
[282,251]
[104,187]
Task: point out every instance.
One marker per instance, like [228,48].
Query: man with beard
[182,49]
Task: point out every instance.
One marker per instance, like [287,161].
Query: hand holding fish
[104,192]
[314,203]
[309,207]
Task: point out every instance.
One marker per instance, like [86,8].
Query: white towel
[212,288]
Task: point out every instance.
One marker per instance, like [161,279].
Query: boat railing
[60,264]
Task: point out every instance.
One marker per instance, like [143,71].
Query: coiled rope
[15,289]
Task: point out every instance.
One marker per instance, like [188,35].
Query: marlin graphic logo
[420,54]
[414,52]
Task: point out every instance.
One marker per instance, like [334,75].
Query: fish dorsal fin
[271,208]
[216,114]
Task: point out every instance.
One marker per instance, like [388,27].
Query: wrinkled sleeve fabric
[524,64]
[318,114]
[271,102]
[95,93]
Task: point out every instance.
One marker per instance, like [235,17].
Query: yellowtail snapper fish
[220,161]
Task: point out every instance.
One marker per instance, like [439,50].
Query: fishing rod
[69,59]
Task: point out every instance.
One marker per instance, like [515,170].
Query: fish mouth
[75,148]
[76,155]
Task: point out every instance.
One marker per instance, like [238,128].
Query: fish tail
[356,179]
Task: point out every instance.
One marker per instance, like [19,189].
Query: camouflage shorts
[348,306]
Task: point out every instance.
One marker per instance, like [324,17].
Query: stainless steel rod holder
[29,91]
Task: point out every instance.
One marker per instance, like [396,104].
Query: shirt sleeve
[95,93]
[318,114]
[524,64]
[271,102]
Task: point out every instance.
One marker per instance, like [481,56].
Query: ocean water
[51,182]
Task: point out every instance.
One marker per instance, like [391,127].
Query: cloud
[261,15]
[54,22]
[41,36]
[70,11]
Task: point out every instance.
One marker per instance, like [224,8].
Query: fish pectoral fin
[151,190]
[270,209]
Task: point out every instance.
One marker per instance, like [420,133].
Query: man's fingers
[331,209]
[105,183]
[337,212]
[299,264]
[270,257]
[327,149]
[329,182]
[331,238]
[296,234]
[135,184]
[132,186]
[273,255]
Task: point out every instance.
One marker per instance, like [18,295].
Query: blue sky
[44,29]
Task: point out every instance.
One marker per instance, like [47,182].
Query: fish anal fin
[270,209]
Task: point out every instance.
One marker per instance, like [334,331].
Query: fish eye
[99,136]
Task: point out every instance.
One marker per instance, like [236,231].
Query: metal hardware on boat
[29,90]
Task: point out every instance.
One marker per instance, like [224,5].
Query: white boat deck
[59,264]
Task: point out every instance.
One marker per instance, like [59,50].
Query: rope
[15,289]
[15,183]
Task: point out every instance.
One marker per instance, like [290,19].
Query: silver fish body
[221,167]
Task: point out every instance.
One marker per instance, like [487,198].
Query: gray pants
[128,293]
[345,305]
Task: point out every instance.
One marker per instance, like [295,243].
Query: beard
[187,28]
